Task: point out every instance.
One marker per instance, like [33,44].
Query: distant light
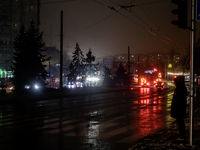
[27,87]
[149,71]
[92,78]
[36,86]
[169,65]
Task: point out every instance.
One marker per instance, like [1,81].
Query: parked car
[159,84]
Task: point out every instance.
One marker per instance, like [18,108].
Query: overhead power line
[99,21]
[57,2]
[166,39]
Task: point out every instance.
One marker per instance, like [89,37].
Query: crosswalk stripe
[92,131]
[56,125]
[115,132]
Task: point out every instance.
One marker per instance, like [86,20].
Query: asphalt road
[114,120]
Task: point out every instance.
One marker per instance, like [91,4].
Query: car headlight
[36,86]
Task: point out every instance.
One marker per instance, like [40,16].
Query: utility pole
[138,70]
[192,41]
[61,51]
[129,72]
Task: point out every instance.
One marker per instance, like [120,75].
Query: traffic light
[181,12]
[159,74]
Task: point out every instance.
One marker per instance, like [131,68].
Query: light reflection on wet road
[101,121]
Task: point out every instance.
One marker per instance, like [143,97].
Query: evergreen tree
[89,59]
[107,77]
[20,58]
[120,75]
[78,59]
[77,65]
[71,76]
[91,68]
[36,69]
[28,58]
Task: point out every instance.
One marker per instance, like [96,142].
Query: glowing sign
[149,71]
[169,65]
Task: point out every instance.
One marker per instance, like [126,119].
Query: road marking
[93,130]
[115,132]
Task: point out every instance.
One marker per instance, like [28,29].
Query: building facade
[14,14]
[141,62]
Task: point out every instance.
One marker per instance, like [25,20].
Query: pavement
[168,138]
[165,139]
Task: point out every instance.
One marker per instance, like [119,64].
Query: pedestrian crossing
[123,120]
[112,129]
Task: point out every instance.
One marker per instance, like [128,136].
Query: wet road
[107,121]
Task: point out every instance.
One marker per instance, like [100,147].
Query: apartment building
[14,14]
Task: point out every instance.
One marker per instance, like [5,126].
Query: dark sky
[146,27]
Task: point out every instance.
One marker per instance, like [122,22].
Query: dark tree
[28,58]
[107,77]
[35,44]
[20,59]
[91,67]
[89,59]
[77,65]
[78,59]
[71,76]
[120,75]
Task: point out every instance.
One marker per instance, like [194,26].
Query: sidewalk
[166,139]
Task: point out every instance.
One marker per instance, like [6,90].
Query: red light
[175,77]
[147,83]
[155,69]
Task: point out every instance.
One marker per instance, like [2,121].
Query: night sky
[145,27]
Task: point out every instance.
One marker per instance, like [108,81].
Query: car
[159,84]
[144,83]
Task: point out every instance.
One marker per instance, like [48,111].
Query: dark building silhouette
[14,14]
